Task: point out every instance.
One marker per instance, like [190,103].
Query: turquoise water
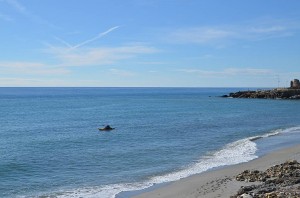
[50,145]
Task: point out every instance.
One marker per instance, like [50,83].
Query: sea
[50,145]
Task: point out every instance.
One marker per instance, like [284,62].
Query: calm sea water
[50,145]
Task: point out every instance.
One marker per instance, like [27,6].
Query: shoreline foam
[240,151]
[221,182]
[237,152]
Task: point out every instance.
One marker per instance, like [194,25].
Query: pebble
[278,181]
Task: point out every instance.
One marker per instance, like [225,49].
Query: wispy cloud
[81,55]
[31,68]
[270,29]
[5,17]
[49,82]
[20,8]
[122,73]
[63,42]
[97,56]
[96,37]
[100,35]
[152,63]
[218,34]
[200,34]
[229,72]
[18,82]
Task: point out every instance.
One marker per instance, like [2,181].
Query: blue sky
[149,43]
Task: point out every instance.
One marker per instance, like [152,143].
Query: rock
[245,196]
[291,162]
[295,97]
[245,189]
[284,93]
[252,176]
[278,181]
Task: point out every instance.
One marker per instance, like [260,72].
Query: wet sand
[221,182]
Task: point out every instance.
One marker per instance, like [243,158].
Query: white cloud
[122,73]
[247,71]
[97,56]
[270,29]
[63,42]
[229,72]
[153,71]
[152,63]
[50,82]
[5,17]
[20,65]
[81,55]
[20,8]
[17,82]
[200,34]
[250,31]
[100,35]
[31,68]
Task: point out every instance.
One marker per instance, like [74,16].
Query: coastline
[278,93]
[221,182]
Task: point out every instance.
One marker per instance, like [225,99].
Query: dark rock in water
[277,181]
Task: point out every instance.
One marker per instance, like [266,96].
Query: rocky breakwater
[278,181]
[285,93]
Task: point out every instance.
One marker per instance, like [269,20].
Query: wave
[233,153]
[277,132]
[236,152]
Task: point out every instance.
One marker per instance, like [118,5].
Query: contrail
[95,38]
[64,42]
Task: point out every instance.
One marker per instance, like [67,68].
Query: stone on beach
[281,180]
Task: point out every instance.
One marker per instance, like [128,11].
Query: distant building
[295,84]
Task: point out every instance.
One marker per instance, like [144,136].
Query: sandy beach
[221,182]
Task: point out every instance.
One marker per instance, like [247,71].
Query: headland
[292,92]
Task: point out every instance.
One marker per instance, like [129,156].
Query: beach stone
[245,189]
[271,195]
[252,176]
[245,196]
[279,181]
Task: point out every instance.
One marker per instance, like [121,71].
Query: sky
[149,43]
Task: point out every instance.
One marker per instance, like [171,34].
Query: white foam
[277,132]
[292,130]
[272,133]
[108,191]
[234,153]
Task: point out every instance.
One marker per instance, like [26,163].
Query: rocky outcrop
[267,94]
[278,181]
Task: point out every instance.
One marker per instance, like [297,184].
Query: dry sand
[221,182]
